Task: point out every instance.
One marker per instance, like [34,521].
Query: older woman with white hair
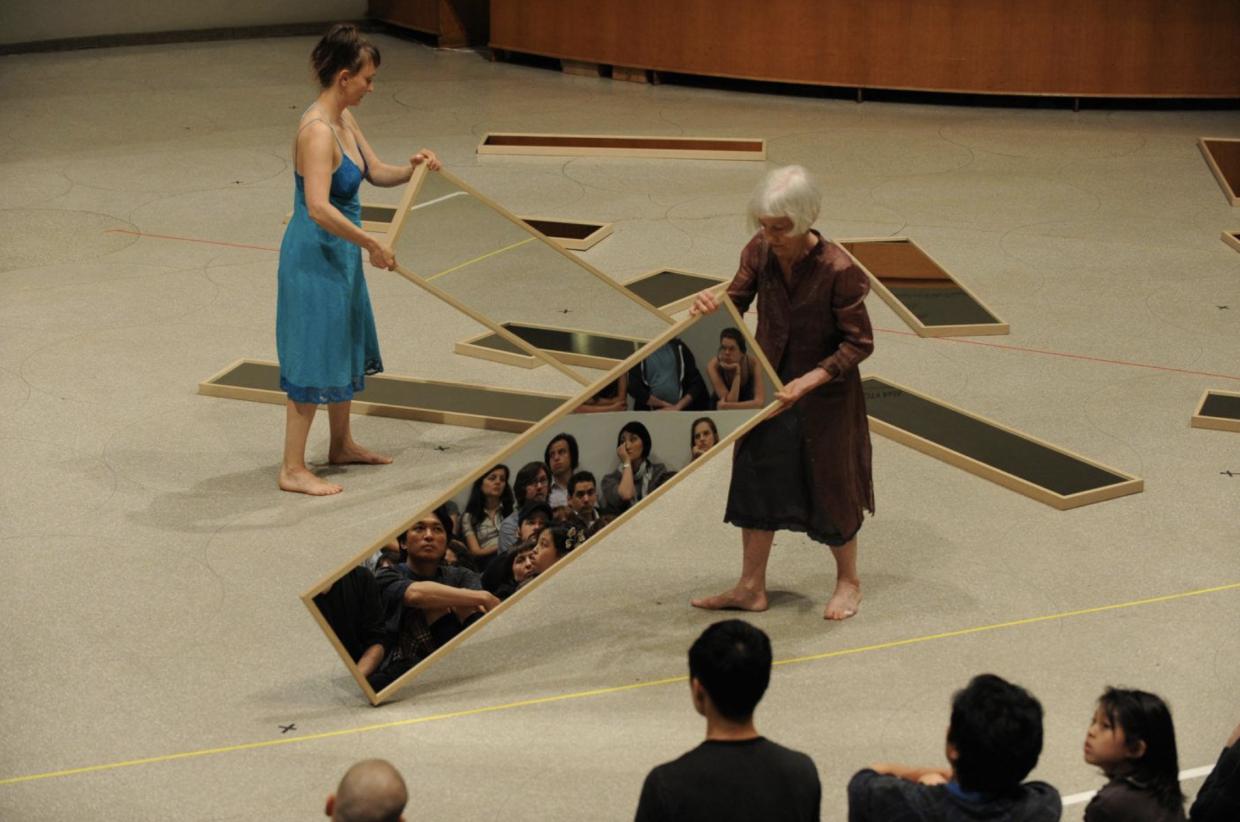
[807,468]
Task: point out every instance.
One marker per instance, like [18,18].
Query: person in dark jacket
[993,742]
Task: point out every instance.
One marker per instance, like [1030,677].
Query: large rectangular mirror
[444,572]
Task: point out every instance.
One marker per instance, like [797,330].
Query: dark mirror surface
[1007,451]
[1221,405]
[564,342]
[377,214]
[666,287]
[1226,154]
[461,399]
[918,282]
[566,230]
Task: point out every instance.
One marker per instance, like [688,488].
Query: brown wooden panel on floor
[1003,455]
[624,145]
[671,290]
[1219,410]
[920,290]
[1232,238]
[402,397]
[1223,157]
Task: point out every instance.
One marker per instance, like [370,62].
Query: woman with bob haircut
[637,475]
[807,468]
[325,329]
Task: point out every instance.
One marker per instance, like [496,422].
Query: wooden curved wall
[1081,48]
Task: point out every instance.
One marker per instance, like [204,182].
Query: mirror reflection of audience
[668,380]
[614,397]
[511,570]
[490,500]
[561,458]
[703,436]
[637,475]
[371,791]
[583,497]
[553,545]
[533,485]
[734,374]
[426,602]
[533,517]
[354,610]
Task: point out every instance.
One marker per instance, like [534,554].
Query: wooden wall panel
[1087,48]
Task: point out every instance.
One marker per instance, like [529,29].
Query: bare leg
[846,599]
[343,449]
[749,594]
[294,475]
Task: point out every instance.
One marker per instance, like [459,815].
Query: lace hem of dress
[335,393]
[832,539]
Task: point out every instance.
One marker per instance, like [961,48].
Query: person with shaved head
[371,791]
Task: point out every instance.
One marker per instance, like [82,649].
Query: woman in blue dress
[325,330]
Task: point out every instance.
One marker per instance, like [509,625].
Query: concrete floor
[154,643]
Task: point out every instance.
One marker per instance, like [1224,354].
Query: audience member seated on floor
[734,374]
[532,519]
[533,485]
[583,497]
[993,742]
[637,475]
[510,570]
[553,545]
[1132,739]
[354,610]
[490,500]
[561,457]
[392,553]
[614,397]
[703,436]
[736,774]
[668,380]
[427,603]
[371,791]
[1219,797]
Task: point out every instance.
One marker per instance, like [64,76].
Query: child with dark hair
[736,774]
[553,545]
[993,742]
[1132,739]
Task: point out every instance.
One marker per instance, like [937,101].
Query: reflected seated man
[427,602]
[583,497]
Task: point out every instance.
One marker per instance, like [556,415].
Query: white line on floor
[440,199]
[1192,773]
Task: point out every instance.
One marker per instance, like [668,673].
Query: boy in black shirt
[735,774]
[993,742]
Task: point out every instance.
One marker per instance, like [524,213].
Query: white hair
[786,192]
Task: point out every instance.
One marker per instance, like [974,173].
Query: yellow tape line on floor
[271,743]
[479,259]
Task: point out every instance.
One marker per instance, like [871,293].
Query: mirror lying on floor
[450,238]
[587,468]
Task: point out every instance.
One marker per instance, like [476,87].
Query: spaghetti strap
[302,128]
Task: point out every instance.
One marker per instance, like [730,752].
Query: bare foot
[354,454]
[304,481]
[844,602]
[738,599]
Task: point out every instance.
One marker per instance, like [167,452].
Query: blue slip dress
[325,329]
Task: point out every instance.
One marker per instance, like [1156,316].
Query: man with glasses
[533,484]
